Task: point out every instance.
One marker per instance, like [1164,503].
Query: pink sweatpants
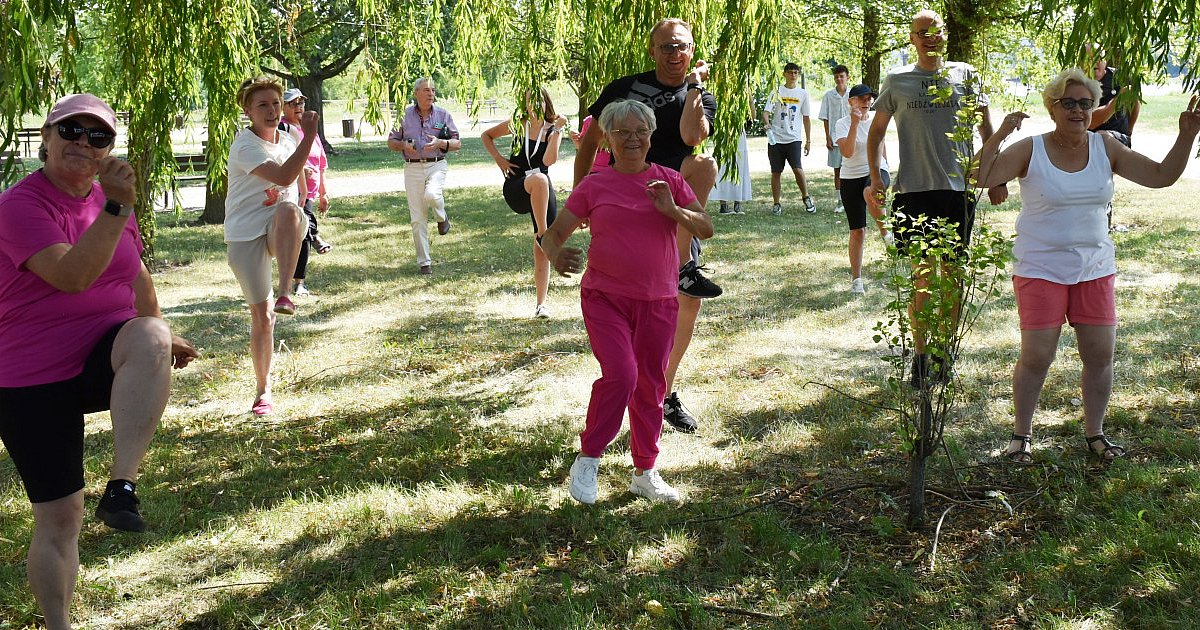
[631,339]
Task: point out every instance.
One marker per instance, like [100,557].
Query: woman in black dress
[527,187]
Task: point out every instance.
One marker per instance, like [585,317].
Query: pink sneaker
[262,405]
[285,306]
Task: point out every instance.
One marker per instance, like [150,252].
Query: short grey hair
[1058,86]
[621,109]
[421,81]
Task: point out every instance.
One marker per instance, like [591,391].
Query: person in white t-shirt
[263,219]
[786,106]
[835,105]
[850,134]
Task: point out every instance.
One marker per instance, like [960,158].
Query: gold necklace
[1054,136]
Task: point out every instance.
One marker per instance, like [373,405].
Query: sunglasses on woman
[98,137]
[1076,103]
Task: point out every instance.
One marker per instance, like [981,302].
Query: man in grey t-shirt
[931,181]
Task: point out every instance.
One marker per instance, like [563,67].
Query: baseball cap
[862,90]
[293,94]
[82,105]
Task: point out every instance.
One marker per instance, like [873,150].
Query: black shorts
[42,425]
[956,206]
[852,199]
[781,152]
[518,199]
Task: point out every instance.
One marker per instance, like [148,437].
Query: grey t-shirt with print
[929,160]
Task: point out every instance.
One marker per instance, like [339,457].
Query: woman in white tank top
[1065,264]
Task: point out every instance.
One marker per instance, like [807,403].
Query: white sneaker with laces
[857,287]
[650,485]
[542,312]
[889,239]
[299,290]
[583,479]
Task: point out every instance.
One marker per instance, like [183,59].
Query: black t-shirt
[1108,91]
[666,145]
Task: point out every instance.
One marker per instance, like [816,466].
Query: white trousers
[423,182]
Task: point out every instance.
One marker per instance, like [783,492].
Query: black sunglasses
[98,137]
[1076,103]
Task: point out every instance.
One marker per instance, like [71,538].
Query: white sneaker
[299,290]
[857,287]
[839,208]
[541,312]
[889,239]
[651,486]
[583,479]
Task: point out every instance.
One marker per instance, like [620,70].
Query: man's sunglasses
[670,49]
[98,137]
[1072,103]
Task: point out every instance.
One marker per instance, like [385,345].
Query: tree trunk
[313,88]
[964,23]
[922,449]
[871,56]
[214,204]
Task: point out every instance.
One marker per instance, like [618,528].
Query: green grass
[414,474]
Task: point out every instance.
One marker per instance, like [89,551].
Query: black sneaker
[920,371]
[725,209]
[118,507]
[676,415]
[693,284]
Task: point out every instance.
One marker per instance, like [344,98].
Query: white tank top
[1062,231]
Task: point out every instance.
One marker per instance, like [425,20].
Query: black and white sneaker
[725,209]
[676,415]
[118,507]
[809,205]
[692,283]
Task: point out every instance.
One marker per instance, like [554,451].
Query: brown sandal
[1024,456]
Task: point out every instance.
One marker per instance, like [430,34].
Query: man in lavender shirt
[426,134]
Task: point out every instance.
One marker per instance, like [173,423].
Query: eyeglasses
[626,134]
[1076,103]
[670,49]
[98,137]
[931,34]
[298,102]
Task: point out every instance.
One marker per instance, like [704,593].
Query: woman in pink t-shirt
[628,293]
[80,332]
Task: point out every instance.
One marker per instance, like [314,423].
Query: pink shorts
[1044,304]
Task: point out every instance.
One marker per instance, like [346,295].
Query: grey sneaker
[809,205]
[776,209]
[650,485]
[583,479]
[857,287]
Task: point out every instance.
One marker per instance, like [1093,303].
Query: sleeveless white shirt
[1062,231]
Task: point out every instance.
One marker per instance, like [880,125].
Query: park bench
[29,139]
[189,169]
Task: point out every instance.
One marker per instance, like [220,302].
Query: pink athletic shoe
[262,405]
[285,306]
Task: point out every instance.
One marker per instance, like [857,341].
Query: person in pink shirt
[294,103]
[603,157]
[80,332]
[628,293]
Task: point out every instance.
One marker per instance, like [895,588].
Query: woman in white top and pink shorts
[1065,266]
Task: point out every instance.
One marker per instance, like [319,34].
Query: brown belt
[423,160]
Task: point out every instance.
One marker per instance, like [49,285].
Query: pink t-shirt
[633,251]
[46,334]
[316,161]
[603,157]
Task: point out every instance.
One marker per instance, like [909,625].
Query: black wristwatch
[696,86]
[117,209]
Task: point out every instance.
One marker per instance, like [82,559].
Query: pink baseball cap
[83,104]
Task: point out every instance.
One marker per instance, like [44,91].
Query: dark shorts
[789,152]
[956,206]
[42,425]
[518,199]
[852,198]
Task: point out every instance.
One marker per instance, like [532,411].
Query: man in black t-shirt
[684,113]
[1108,116]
